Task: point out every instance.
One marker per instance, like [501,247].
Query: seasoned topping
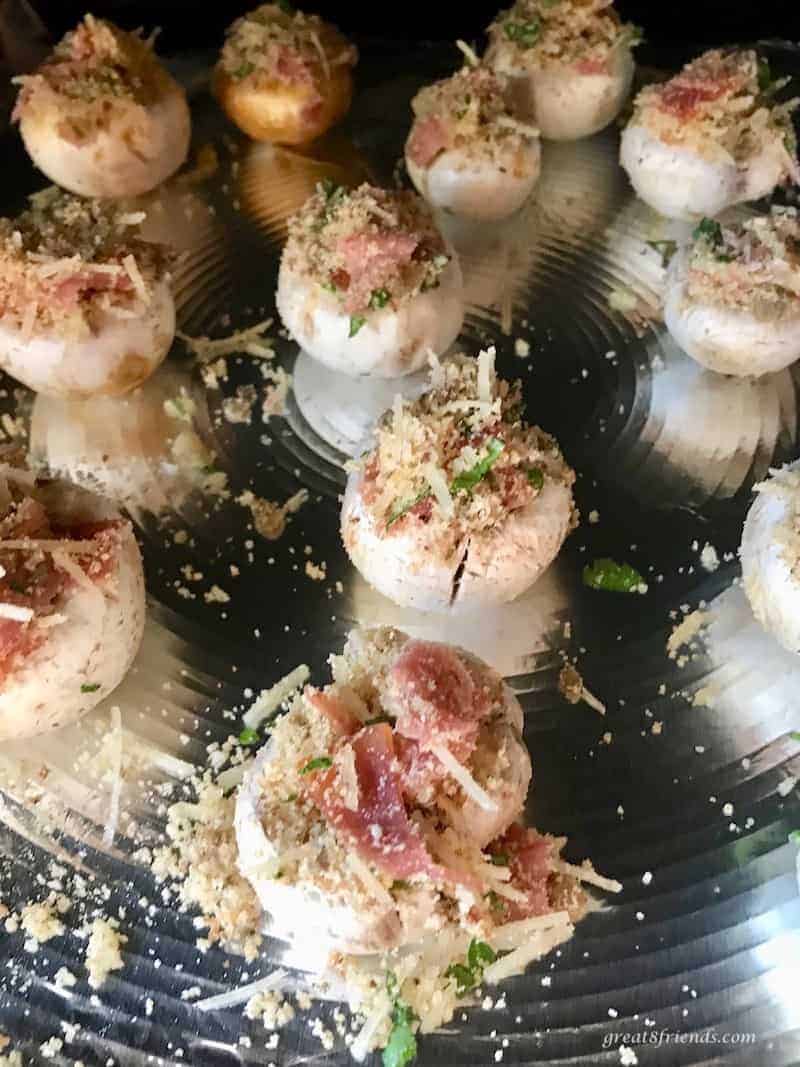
[95,70]
[549,32]
[467,110]
[65,261]
[721,105]
[370,247]
[36,568]
[276,43]
[460,456]
[752,265]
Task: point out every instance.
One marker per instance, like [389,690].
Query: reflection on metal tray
[667,455]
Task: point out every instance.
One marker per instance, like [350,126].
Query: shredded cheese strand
[233,997]
[588,875]
[464,778]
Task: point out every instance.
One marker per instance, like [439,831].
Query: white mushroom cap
[770,554]
[476,186]
[486,568]
[681,184]
[565,103]
[119,355]
[138,150]
[724,339]
[675,181]
[390,343]
[94,645]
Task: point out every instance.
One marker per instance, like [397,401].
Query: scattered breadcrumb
[269,518]
[41,922]
[315,572]
[103,951]
[687,628]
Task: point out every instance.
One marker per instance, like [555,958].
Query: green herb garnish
[400,883]
[380,298]
[291,798]
[613,577]
[319,763]
[795,736]
[666,249]
[377,719]
[710,229]
[470,974]
[535,477]
[496,902]
[499,859]
[794,835]
[463,977]
[523,33]
[248,736]
[244,70]
[401,1048]
[467,480]
[356,322]
[90,687]
[405,506]
[479,954]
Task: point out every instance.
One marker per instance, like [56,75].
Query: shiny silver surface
[705,949]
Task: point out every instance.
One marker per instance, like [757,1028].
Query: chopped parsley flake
[499,859]
[794,835]
[468,975]
[319,763]
[356,322]
[795,736]
[467,480]
[248,736]
[404,506]
[535,477]
[90,687]
[244,70]
[401,1048]
[613,577]
[523,33]
[380,298]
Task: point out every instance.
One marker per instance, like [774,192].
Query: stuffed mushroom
[460,504]
[770,554]
[378,801]
[101,117]
[569,64]
[85,304]
[732,298]
[710,137]
[466,152]
[284,76]
[72,603]
[367,284]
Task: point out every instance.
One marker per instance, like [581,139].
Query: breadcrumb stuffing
[540,33]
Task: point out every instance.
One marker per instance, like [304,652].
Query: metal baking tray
[684,790]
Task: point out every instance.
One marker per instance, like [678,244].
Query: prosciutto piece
[371,260]
[435,698]
[427,139]
[530,857]
[379,829]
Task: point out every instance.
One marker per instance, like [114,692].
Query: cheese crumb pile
[275,44]
[721,106]
[545,33]
[66,262]
[752,265]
